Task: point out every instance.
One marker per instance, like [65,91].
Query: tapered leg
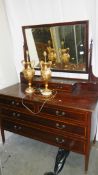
[86,163]
[60,161]
[3,135]
[94,141]
[2,131]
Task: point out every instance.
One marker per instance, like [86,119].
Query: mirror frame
[86,22]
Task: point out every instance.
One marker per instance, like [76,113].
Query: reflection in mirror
[66,45]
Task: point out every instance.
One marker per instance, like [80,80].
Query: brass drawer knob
[16,114]
[58,113]
[58,140]
[17,104]
[17,127]
[12,102]
[60,126]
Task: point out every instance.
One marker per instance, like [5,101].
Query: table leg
[86,163]
[3,135]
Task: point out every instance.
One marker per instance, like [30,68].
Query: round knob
[58,113]
[15,127]
[13,102]
[18,114]
[58,140]
[60,126]
[17,104]
[14,114]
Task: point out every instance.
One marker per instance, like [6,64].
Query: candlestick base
[29,90]
[46,92]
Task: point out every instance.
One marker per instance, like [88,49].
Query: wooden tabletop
[78,99]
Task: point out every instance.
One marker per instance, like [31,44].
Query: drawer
[74,115]
[16,103]
[9,101]
[58,85]
[65,126]
[56,113]
[48,137]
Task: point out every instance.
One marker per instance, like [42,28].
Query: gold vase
[46,75]
[28,72]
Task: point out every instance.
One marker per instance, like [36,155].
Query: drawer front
[74,115]
[60,114]
[48,137]
[58,86]
[16,103]
[10,101]
[48,122]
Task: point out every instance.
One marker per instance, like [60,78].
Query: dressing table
[67,119]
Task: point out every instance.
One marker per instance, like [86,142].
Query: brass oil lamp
[28,72]
[46,75]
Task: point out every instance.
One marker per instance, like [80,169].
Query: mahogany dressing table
[67,119]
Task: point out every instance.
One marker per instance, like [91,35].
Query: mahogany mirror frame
[85,22]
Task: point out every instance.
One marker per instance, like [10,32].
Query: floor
[24,156]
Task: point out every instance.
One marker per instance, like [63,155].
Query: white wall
[8,74]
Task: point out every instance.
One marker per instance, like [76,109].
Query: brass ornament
[28,72]
[46,75]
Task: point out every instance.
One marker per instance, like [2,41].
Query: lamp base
[29,90]
[46,92]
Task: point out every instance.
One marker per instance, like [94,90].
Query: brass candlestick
[28,74]
[46,75]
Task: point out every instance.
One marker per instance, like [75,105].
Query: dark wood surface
[67,119]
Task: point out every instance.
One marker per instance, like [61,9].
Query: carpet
[23,156]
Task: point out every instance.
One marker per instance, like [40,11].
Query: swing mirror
[66,45]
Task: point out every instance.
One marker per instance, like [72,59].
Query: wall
[8,74]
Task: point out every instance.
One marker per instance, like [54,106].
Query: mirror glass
[65,44]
